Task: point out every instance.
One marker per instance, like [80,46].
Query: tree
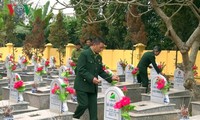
[35,42]
[190,43]
[58,36]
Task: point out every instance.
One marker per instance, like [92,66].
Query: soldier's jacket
[89,66]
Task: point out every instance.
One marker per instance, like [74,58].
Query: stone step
[196,117]
[44,115]
[151,107]
[17,106]
[28,84]
[195,108]
[168,115]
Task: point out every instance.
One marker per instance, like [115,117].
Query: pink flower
[66,80]
[18,84]
[135,71]
[39,69]
[118,105]
[72,64]
[125,101]
[53,91]
[70,90]
[194,67]
[47,63]
[160,83]
[124,89]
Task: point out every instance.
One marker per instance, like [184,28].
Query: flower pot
[20,97]
[166,99]
[8,118]
[65,107]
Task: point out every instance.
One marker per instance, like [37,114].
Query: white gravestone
[20,60]
[43,62]
[34,59]
[61,70]
[56,105]
[120,70]
[52,62]
[128,74]
[112,95]
[104,84]
[37,78]
[14,95]
[9,72]
[153,72]
[69,66]
[179,79]
[22,65]
[156,94]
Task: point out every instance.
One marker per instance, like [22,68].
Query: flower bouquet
[162,85]
[72,64]
[40,71]
[67,73]
[25,62]
[135,71]
[110,73]
[125,106]
[123,63]
[161,66]
[47,63]
[62,95]
[19,84]
[194,70]
[12,66]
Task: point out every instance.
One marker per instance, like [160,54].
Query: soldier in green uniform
[147,59]
[86,82]
[76,52]
[87,44]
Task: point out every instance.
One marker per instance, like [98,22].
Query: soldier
[147,59]
[86,82]
[87,44]
[76,52]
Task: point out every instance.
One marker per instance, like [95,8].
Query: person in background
[86,82]
[147,59]
[88,43]
[76,52]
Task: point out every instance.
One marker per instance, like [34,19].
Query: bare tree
[192,44]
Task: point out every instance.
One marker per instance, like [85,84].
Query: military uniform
[85,47]
[147,59]
[75,54]
[89,66]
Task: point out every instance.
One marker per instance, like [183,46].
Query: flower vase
[166,99]
[64,106]
[8,118]
[20,97]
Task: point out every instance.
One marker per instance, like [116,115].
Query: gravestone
[56,105]
[112,95]
[21,62]
[15,96]
[104,84]
[153,72]
[179,79]
[69,66]
[37,78]
[52,62]
[120,70]
[128,74]
[34,59]
[61,70]
[156,94]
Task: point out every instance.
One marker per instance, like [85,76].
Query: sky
[68,11]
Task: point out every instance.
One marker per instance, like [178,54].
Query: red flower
[72,64]
[118,105]
[125,101]
[53,91]
[18,84]
[24,61]
[66,80]
[160,83]
[39,69]
[124,89]
[70,90]
[194,67]
[14,67]
[47,63]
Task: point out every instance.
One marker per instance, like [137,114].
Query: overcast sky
[42,2]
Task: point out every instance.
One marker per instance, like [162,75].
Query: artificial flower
[162,85]
[72,64]
[12,67]
[25,61]
[135,71]
[47,63]
[123,63]
[19,84]
[40,71]
[125,106]
[194,70]
[67,73]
